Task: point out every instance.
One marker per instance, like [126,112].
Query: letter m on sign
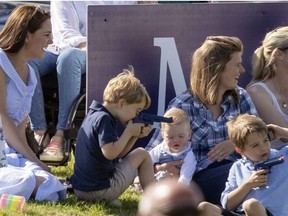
[169,58]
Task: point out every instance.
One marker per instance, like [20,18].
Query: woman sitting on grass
[26,33]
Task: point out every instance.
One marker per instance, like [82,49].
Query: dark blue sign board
[159,40]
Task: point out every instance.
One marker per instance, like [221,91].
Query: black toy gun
[147,119]
[269,163]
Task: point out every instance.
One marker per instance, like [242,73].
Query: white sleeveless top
[275,102]
[277,144]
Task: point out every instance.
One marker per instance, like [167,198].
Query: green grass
[74,207]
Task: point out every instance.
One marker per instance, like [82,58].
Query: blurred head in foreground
[169,198]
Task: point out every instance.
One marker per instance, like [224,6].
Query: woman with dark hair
[26,33]
[213,97]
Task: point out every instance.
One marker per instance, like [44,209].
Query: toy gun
[269,163]
[150,119]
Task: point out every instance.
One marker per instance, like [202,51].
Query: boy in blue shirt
[249,191]
[99,171]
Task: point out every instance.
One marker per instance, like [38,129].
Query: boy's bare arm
[124,143]
[128,147]
[235,197]
[144,132]
[113,150]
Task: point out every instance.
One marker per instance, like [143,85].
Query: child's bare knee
[203,205]
[251,204]
[209,208]
[142,151]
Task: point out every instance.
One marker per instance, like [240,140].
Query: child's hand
[138,130]
[170,167]
[134,129]
[145,131]
[257,179]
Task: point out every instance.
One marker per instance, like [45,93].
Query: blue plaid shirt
[206,132]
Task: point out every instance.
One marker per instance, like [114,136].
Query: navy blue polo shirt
[91,169]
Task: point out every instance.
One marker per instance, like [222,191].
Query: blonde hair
[179,116]
[208,63]
[263,61]
[242,126]
[126,86]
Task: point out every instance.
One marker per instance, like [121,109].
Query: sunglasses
[40,10]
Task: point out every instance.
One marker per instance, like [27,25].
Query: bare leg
[209,209]
[39,132]
[252,207]
[141,160]
[59,133]
[39,181]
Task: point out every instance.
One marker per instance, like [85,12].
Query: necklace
[282,101]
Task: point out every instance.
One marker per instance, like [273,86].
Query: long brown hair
[23,19]
[208,63]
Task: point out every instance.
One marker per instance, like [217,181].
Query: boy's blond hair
[179,117]
[126,86]
[242,126]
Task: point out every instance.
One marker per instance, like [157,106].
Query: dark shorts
[212,180]
[230,213]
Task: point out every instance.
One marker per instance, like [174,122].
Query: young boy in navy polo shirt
[101,172]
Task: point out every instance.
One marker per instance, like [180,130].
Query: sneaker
[136,188]
[54,150]
[41,140]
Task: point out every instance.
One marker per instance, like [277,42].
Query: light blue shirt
[274,195]
[18,94]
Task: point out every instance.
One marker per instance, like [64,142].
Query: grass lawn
[72,206]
